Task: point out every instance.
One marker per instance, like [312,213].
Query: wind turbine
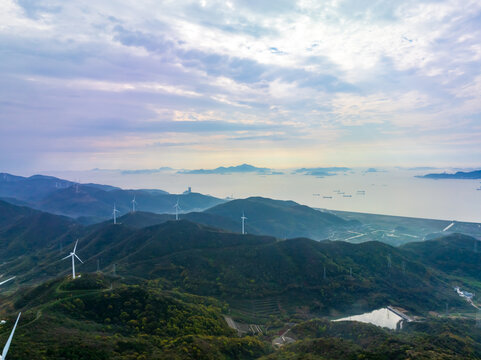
[4,281]
[115,214]
[449,226]
[7,345]
[73,255]
[177,207]
[133,204]
[243,223]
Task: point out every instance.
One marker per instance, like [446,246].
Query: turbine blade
[78,258]
[75,248]
[66,257]
[7,345]
[4,281]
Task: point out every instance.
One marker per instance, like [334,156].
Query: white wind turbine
[73,255]
[177,207]
[4,281]
[133,204]
[115,214]
[7,345]
[449,226]
[243,217]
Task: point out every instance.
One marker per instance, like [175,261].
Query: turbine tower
[73,255]
[177,207]
[7,345]
[115,214]
[133,204]
[243,223]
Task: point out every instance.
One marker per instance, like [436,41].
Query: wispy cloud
[101,81]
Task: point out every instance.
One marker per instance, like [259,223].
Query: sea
[390,191]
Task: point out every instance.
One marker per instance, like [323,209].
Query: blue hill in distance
[321,171]
[471,175]
[244,168]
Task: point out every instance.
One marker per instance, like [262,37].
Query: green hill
[241,268]
[431,339]
[141,219]
[89,319]
[283,219]
[24,230]
[175,280]
[238,268]
[456,255]
[85,319]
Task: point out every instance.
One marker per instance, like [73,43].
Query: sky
[199,84]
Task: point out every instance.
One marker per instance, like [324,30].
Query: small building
[282,340]
[463,293]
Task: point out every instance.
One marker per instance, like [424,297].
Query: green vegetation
[456,254]
[431,339]
[399,230]
[85,319]
[175,282]
[24,230]
[234,267]
[283,219]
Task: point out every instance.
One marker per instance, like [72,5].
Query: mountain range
[152,287]
[326,276]
[93,202]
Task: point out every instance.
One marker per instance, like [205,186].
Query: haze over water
[390,192]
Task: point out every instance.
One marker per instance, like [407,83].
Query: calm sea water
[391,192]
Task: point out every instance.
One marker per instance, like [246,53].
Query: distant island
[472,175]
[145,171]
[321,171]
[244,168]
[420,168]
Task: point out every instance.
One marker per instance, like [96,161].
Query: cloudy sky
[188,84]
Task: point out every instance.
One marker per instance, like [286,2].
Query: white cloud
[351,109]
[309,66]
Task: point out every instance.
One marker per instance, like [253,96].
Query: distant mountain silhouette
[321,171]
[459,175]
[93,202]
[244,168]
